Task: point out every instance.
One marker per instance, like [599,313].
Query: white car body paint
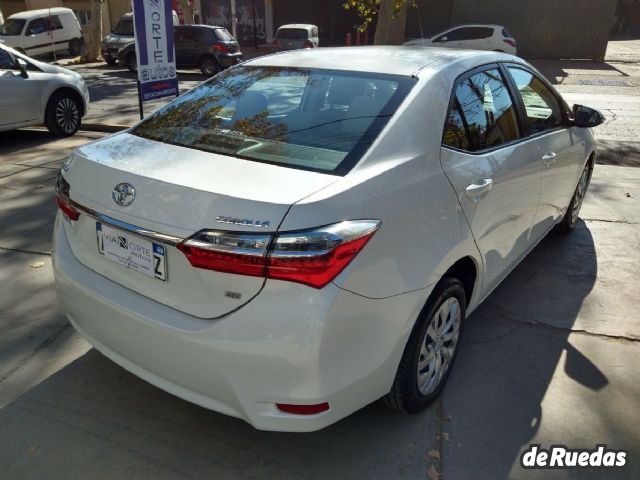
[285,342]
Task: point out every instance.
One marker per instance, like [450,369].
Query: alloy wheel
[67,115]
[209,67]
[438,346]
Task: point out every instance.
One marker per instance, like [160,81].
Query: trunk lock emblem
[123,194]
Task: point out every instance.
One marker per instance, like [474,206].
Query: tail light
[510,41]
[275,44]
[308,44]
[62,197]
[311,257]
[218,47]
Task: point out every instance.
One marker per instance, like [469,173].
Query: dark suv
[209,48]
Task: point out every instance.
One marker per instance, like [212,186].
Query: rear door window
[54,22]
[292,34]
[223,35]
[482,114]
[542,108]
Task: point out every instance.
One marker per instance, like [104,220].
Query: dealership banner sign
[153,27]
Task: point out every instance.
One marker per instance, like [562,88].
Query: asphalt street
[551,357]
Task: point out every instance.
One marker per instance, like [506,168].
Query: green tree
[391,14]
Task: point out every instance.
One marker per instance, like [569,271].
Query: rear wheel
[209,66]
[62,116]
[75,45]
[570,219]
[431,350]
[132,62]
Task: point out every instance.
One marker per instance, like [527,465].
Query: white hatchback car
[36,93]
[306,232]
[475,37]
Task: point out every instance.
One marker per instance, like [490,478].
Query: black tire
[570,219]
[63,114]
[208,65]
[405,395]
[75,45]
[131,62]
[110,61]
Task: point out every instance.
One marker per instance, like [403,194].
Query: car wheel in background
[209,65]
[431,349]
[75,44]
[62,116]
[132,62]
[570,219]
[110,61]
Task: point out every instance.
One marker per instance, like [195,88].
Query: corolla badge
[123,194]
[245,222]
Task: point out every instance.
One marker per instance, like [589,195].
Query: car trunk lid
[178,191]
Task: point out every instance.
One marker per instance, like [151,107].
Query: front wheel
[132,62]
[62,116]
[570,219]
[209,66]
[431,350]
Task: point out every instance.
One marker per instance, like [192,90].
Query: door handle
[477,192]
[548,159]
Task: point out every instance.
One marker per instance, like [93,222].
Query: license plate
[131,251]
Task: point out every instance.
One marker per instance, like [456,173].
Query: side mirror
[585,117]
[22,66]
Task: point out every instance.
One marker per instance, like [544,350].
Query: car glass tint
[124,27]
[455,131]
[292,34]
[488,110]
[223,35]
[310,119]
[473,33]
[6,62]
[36,26]
[12,27]
[54,22]
[543,111]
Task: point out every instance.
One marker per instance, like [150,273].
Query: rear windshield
[506,34]
[124,27]
[12,27]
[292,34]
[223,35]
[310,119]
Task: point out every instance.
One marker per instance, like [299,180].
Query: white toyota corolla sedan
[306,233]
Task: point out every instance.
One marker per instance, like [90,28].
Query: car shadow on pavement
[514,345]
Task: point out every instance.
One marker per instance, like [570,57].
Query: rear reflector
[510,41]
[303,409]
[311,257]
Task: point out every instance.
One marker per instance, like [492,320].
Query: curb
[102,127]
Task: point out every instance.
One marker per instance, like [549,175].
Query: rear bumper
[291,344]
[230,59]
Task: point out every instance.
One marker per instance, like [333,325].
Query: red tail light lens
[510,41]
[311,257]
[218,47]
[275,44]
[308,44]
[62,197]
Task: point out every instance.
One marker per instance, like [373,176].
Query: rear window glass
[311,119]
[506,34]
[292,34]
[223,35]
[124,27]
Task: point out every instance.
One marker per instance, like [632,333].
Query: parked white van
[48,30]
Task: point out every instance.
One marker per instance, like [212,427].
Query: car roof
[43,11]
[487,25]
[304,26]
[399,60]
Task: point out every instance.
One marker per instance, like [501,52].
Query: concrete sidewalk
[551,357]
